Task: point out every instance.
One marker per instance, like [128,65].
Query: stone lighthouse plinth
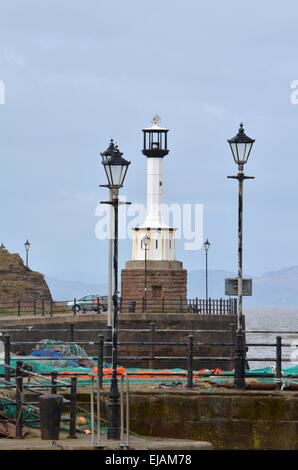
[154,279]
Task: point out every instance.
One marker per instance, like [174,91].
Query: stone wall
[229,420]
[164,280]
[96,324]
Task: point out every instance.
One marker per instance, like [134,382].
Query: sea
[276,321]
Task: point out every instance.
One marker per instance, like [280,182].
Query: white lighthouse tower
[161,237]
[153,277]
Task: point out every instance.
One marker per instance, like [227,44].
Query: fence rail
[189,359]
[19,403]
[48,307]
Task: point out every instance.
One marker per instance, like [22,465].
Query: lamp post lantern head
[155,140]
[27,245]
[241,146]
[207,245]
[146,240]
[115,165]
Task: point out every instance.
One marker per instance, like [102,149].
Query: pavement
[83,443]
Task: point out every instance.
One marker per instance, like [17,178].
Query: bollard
[50,416]
[190,361]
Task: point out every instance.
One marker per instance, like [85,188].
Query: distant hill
[68,290]
[272,289]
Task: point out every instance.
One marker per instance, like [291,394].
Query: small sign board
[231,286]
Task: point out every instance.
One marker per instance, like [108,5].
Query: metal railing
[48,307]
[189,360]
[20,373]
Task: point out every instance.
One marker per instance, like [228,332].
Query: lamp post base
[114,412]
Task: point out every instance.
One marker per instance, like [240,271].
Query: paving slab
[83,443]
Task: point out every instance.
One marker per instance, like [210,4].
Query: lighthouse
[161,237]
[153,274]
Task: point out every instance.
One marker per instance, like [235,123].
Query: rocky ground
[18,282]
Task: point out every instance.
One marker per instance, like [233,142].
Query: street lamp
[206,245]
[145,243]
[27,247]
[108,344]
[115,167]
[241,146]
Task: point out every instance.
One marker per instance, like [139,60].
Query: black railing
[20,372]
[189,360]
[48,307]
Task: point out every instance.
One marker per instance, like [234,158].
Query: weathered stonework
[18,282]
[166,285]
[228,419]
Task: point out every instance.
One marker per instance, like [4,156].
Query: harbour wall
[171,324]
[230,420]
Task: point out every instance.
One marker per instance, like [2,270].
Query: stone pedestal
[166,286]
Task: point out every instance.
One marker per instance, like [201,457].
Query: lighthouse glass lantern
[115,166]
[241,146]
[155,140]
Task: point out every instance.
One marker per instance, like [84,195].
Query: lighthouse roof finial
[156,119]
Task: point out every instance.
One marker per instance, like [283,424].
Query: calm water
[281,320]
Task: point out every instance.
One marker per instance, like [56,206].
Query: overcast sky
[80,72]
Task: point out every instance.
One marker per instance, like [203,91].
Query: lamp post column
[27,247]
[207,245]
[145,286]
[115,167]
[241,146]
[206,277]
[240,225]
[114,401]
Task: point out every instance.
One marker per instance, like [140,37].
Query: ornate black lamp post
[241,146]
[115,167]
[145,243]
[207,245]
[27,247]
